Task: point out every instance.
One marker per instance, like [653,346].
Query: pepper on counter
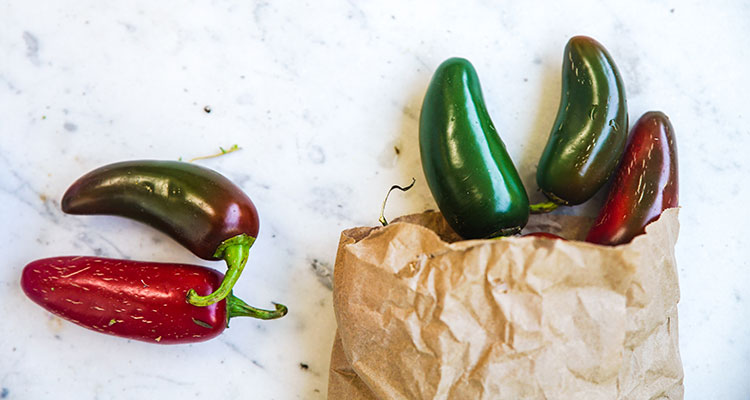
[136,300]
[645,184]
[469,172]
[589,134]
[198,207]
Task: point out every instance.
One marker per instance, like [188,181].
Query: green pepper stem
[235,252]
[543,208]
[238,308]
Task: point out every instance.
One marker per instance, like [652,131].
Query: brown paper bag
[422,315]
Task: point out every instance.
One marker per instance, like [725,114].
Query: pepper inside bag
[424,315]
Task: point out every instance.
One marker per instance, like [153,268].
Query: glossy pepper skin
[199,208]
[590,131]
[469,172]
[645,184]
[196,206]
[136,300]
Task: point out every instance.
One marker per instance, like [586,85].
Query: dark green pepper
[589,134]
[471,176]
[199,208]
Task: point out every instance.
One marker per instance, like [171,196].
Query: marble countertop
[323,99]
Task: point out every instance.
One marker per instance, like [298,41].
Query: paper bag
[424,315]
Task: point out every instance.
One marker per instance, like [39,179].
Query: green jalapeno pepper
[199,208]
[589,134]
[469,172]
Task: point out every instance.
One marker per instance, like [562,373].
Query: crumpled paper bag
[423,315]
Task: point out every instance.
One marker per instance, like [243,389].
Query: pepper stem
[382,219]
[238,308]
[234,251]
[543,208]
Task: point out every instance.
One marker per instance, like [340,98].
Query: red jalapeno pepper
[199,208]
[545,235]
[132,299]
[645,183]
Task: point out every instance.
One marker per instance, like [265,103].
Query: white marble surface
[318,94]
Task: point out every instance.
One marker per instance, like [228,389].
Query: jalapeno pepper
[645,184]
[136,300]
[469,172]
[546,235]
[589,134]
[199,208]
